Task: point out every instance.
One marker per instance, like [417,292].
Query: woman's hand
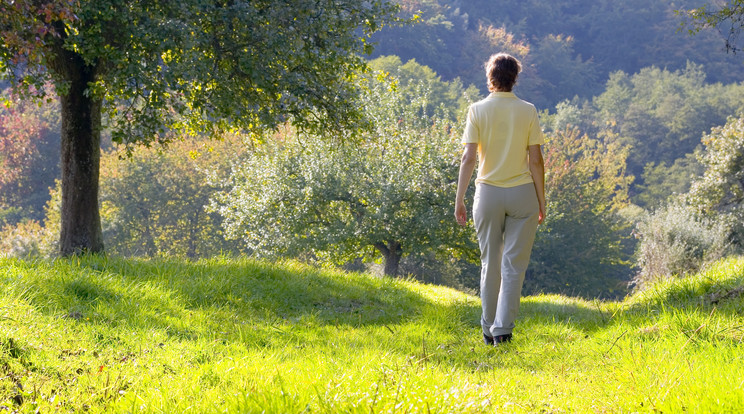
[541,215]
[461,213]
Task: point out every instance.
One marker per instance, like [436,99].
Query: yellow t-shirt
[503,126]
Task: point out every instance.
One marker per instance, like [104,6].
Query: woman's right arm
[467,165]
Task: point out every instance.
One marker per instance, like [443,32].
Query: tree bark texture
[392,252]
[80,157]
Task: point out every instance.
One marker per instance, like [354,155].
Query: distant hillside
[569,47]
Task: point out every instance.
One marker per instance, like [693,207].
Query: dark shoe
[500,339]
[487,339]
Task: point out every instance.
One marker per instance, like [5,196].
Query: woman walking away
[503,133]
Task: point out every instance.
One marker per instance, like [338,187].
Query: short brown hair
[502,70]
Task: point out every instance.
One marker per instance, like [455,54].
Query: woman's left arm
[537,169]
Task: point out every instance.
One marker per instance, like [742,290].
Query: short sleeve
[536,135]
[471,135]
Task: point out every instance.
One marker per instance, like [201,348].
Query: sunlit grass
[226,335]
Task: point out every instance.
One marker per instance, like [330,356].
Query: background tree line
[568,48]
[633,191]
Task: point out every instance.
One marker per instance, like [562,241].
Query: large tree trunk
[392,252]
[80,158]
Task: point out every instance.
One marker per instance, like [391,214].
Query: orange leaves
[57,10]
[592,167]
[26,24]
[500,39]
[17,132]
[25,130]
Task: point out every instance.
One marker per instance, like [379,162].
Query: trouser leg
[488,216]
[520,226]
[506,222]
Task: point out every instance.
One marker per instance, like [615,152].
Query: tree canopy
[727,17]
[199,64]
[149,67]
[580,247]
[390,193]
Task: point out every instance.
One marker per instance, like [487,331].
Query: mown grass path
[223,335]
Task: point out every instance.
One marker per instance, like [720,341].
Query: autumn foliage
[29,134]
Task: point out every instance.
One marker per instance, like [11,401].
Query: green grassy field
[167,336]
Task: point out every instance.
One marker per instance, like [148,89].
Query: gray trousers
[506,223]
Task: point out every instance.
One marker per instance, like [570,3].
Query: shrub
[719,193]
[152,202]
[25,239]
[676,241]
[30,238]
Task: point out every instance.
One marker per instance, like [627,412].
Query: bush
[30,238]
[719,194]
[152,202]
[25,239]
[456,273]
[675,241]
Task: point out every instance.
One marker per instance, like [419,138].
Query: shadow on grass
[587,316]
[193,299]
[145,293]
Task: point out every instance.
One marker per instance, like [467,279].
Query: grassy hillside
[118,335]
